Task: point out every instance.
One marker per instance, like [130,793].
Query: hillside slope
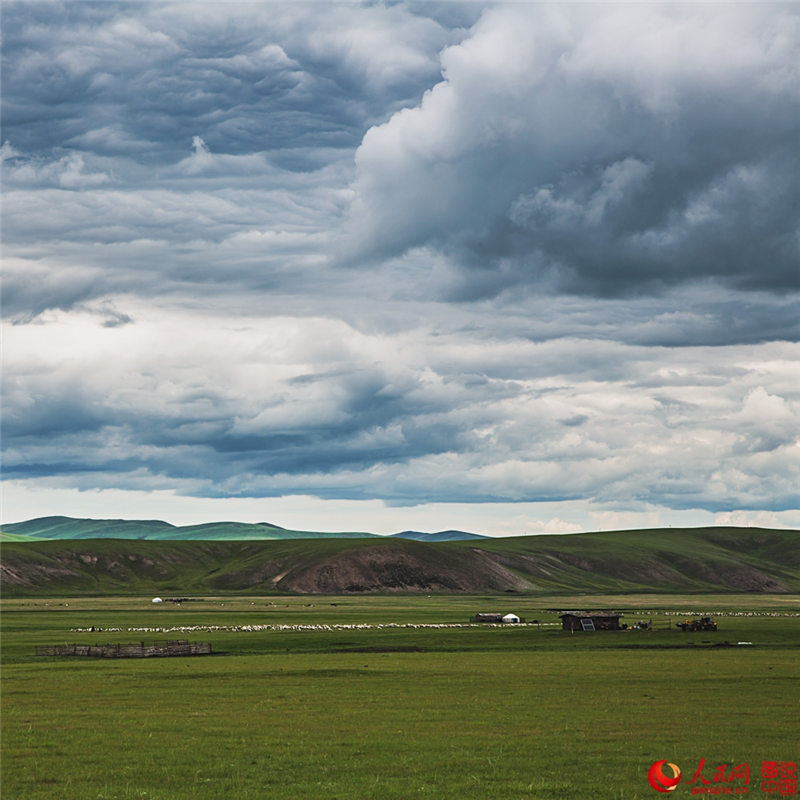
[690,560]
[72,528]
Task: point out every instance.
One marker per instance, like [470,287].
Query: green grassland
[344,697]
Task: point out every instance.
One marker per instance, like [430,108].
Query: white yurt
[157,600]
[513,618]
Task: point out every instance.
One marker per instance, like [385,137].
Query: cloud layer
[600,151]
[416,253]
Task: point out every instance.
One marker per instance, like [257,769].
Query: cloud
[29,289]
[7,151]
[596,150]
[68,172]
[316,406]
[145,79]
[178,149]
[524,254]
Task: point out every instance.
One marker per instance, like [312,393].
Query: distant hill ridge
[662,560]
[74,528]
[440,536]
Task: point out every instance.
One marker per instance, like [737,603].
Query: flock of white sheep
[416,625]
[335,627]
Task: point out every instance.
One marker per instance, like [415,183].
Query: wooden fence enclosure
[128,650]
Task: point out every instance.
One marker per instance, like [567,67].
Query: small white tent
[157,600]
[511,618]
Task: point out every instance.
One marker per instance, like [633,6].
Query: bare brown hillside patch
[398,570]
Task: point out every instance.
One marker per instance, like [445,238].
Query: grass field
[362,697]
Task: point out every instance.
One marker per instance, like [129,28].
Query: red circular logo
[662,782]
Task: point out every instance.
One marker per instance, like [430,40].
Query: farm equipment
[702,624]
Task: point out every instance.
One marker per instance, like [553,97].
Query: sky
[512,269]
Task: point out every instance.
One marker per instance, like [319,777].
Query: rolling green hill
[658,560]
[71,528]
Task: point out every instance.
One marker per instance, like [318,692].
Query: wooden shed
[488,618]
[590,621]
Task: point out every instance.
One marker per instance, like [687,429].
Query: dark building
[590,621]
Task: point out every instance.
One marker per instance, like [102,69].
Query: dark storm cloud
[143,79]
[152,147]
[595,157]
